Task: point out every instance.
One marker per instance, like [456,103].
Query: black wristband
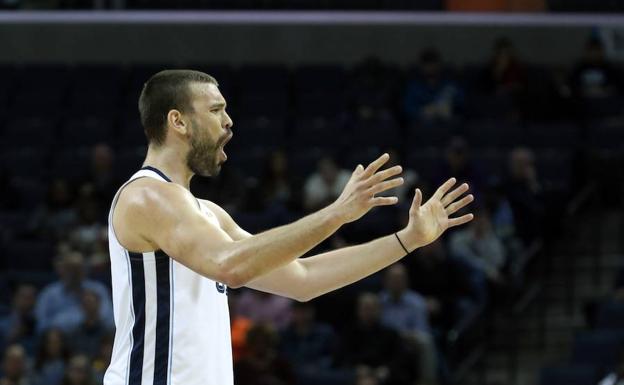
[401,243]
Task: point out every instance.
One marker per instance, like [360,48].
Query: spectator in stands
[277,182]
[369,343]
[480,245]
[102,359]
[503,221]
[454,287]
[506,74]
[458,163]
[14,367]
[594,77]
[60,301]
[406,312]
[262,365]
[58,214]
[239,327]
[261,307]
[89,229]
[101,178]
[51,357]
[325,185]
[86,331]
[432,95]
[524,191]
[309,346]
[19,326]
[78,372]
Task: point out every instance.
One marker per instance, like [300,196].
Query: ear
[177,122]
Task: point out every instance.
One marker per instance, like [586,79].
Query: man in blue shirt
[60,303]
[406,312]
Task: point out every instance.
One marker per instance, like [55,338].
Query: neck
[171,163]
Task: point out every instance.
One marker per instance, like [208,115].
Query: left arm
[307,278]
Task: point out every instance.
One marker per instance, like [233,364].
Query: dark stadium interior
[541,146]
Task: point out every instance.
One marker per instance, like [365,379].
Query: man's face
[210,130]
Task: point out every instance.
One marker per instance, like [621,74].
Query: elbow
[303,297]
[233,279]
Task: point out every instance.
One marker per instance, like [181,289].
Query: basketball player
[173,255]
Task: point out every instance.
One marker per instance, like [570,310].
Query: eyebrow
[218,104]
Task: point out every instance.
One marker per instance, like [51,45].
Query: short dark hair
[166,90]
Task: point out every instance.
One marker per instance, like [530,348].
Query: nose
[228,121]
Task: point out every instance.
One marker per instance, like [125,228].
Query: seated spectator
[454,287]
[101,178]
[78,372]
[51,357]
[88,328]
[506,74]
[261,307]
[325,185]
[432,95]
[14,367]
[310,347]
[102,358]
[262,364]
[277,182]
[57,215]
[594,77]
[239,326]
[89,230]
[19,326]
[524,191]
[458,163]
[479,243]
[368,343]
[406,312]
[59,303]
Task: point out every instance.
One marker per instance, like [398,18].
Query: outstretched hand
[427,222]
[358,196]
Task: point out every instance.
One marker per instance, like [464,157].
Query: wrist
[333,216]
[407,241]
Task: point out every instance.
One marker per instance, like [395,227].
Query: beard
[202,157]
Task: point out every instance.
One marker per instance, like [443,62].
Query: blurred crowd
[391,328]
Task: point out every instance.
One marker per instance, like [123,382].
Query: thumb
[416,202]
[358,169]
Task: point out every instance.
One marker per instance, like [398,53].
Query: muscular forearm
[332,270]
[254,256]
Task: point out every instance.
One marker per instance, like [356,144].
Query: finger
[384,201]
[444,188]
[387,185]
[385,174]
[373,167]
[460,204]
[460,220]
[358,169]
[450,197]
[417,201]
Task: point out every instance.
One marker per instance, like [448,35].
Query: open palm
[427,222]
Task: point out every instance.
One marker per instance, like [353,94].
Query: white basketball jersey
[172,324]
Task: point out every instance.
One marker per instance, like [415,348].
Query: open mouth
[222,146]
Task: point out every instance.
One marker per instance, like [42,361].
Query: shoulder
[148,192]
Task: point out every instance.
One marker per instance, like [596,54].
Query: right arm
[167,218]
